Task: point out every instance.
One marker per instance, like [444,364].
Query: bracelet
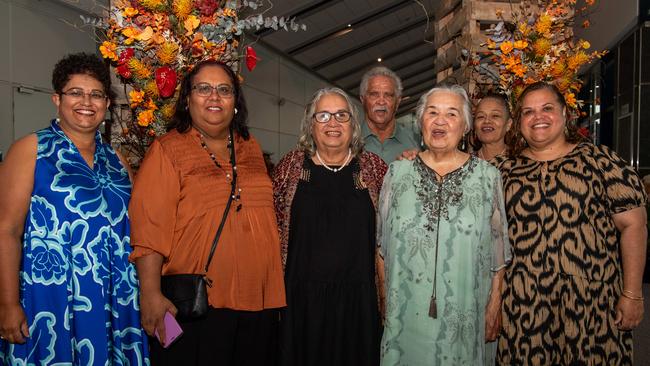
[630,295]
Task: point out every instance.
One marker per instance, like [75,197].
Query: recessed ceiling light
[379,59]
[349,25]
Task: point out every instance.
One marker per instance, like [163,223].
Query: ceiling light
[340,33]
[349,25]
[379,59]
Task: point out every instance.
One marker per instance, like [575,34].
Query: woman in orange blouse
[178,200]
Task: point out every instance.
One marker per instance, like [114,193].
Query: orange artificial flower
[506,47]
[190,24]
[167,53]
[542,46]
[524,29]
[145,118]
[108,50]
[136,97]
[543,24]
[182,8]
[586,24]
[129,12]
[520,70]
[520,44]
[151,89]
[140,70]
[557,69]
[151,105]
[570,99]
[574,62]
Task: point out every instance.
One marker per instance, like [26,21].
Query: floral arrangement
[152,44]
[537,45]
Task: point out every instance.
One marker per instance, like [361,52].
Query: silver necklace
[347,159]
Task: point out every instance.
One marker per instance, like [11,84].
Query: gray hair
[454,89]
[380,71]
[306,139]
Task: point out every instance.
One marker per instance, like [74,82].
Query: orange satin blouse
[177,203]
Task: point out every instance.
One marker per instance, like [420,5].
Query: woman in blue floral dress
[68,294]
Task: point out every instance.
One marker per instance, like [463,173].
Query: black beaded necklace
[231,177]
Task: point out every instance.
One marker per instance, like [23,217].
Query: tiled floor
[642,334]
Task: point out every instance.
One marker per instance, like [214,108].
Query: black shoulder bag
[188,292]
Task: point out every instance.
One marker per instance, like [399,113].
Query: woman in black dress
[326,193]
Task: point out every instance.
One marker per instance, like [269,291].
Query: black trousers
[224,337]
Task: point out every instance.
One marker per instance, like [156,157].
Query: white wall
[277,91]
[33,36]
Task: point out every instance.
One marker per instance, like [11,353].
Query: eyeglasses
[95,95]
[324,117]
[205,90]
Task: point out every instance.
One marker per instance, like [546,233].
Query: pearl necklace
[347,160]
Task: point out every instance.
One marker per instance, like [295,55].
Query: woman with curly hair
[68,294]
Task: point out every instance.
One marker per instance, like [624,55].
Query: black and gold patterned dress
[565,278]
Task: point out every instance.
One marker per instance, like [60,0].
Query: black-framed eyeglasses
[324,117]
[205,90]
[76,93]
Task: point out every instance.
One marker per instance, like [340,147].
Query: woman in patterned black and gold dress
[577,226]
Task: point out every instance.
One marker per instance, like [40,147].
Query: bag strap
[231,197]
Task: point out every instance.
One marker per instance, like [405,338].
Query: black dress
[331,316]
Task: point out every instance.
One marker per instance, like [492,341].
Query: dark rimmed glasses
[324,117]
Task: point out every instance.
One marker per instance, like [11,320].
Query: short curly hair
[182,121]
[84,64]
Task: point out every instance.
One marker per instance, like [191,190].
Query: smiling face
[380,102]
[491,121]
[81,114]
[443,123]
[542,119]
[333,135]
[211,114]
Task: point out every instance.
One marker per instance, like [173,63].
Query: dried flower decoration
[537,45]
[153,43]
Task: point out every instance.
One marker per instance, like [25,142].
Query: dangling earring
[236,111]
[422,145]
[566,130]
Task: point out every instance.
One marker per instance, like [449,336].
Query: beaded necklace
[232,178]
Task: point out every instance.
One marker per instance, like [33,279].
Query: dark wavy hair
[503,101]
[182,119]
[84,64]
[517,142]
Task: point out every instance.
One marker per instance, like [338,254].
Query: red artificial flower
[122,63]
[123,71]
[166,81]
[584,131]
[251,58]
[207,7]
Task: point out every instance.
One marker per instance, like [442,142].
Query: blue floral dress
[78,290]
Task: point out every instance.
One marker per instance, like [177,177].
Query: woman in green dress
[443,234]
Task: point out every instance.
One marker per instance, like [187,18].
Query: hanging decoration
[537,45]
[152,44]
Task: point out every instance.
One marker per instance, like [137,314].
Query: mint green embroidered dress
[462,214]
